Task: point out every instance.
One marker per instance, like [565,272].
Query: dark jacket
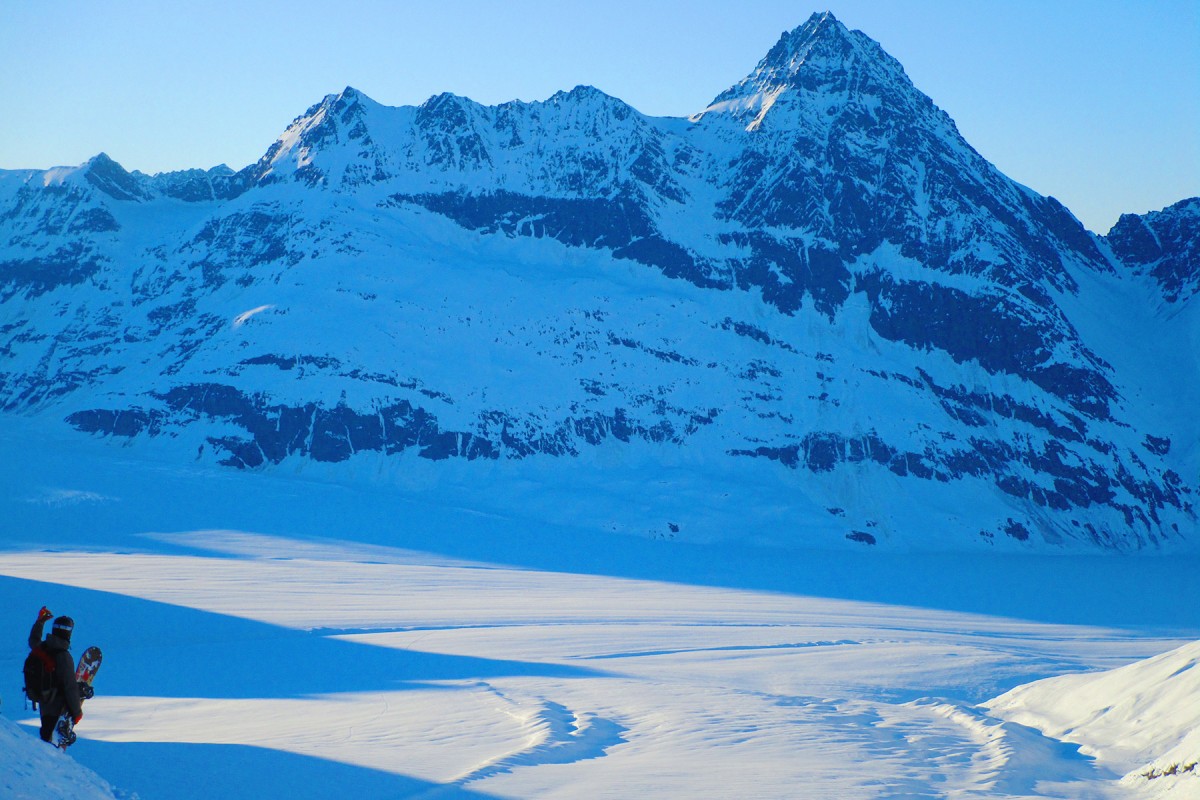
[64,685]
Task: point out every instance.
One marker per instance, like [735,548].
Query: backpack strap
[44,656]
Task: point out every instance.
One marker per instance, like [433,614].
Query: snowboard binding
[66,733]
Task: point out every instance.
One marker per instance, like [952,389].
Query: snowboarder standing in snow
[59,691]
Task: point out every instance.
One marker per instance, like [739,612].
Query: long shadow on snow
[1111,590]
[161,650]
[1105,590]
[205,771]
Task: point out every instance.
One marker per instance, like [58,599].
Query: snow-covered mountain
[810,312]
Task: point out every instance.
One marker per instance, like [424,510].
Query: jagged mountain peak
[449,115]
[345,109]
[821,58]
[348,140]
[351,94]
[1164,244]
[446,100]
[347,98]
[822,34]
[586,108]
[102,172]
[339,118]
[101,160]
[583,93]
[348,104]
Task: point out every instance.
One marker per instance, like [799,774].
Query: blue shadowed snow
[173,651]
[120,501]
[158,771]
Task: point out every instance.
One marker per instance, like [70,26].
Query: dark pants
[52,709]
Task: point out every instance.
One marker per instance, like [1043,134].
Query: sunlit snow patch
[68,497]
[1140,719]
[242,318]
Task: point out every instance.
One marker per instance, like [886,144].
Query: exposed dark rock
[275,431]
[69,265]
[111,178]
[1164,244]
[990,329]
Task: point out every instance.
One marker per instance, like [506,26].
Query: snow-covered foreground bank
[1143,718]
[279,638]
[32,770]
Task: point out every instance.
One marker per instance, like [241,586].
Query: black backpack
[39,675]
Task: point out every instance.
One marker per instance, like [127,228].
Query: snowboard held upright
[85,675]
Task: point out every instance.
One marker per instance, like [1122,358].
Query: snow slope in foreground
[32,770]
[1142,719]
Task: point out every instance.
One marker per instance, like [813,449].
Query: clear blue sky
[1096,102]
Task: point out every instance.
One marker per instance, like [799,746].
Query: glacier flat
[413,648]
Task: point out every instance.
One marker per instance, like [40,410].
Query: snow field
[270,636]
[463,678]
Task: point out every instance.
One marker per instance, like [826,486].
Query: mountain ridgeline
[809,314]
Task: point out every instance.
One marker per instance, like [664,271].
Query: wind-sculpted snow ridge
[812,305]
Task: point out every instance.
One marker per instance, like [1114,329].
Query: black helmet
[63,627]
